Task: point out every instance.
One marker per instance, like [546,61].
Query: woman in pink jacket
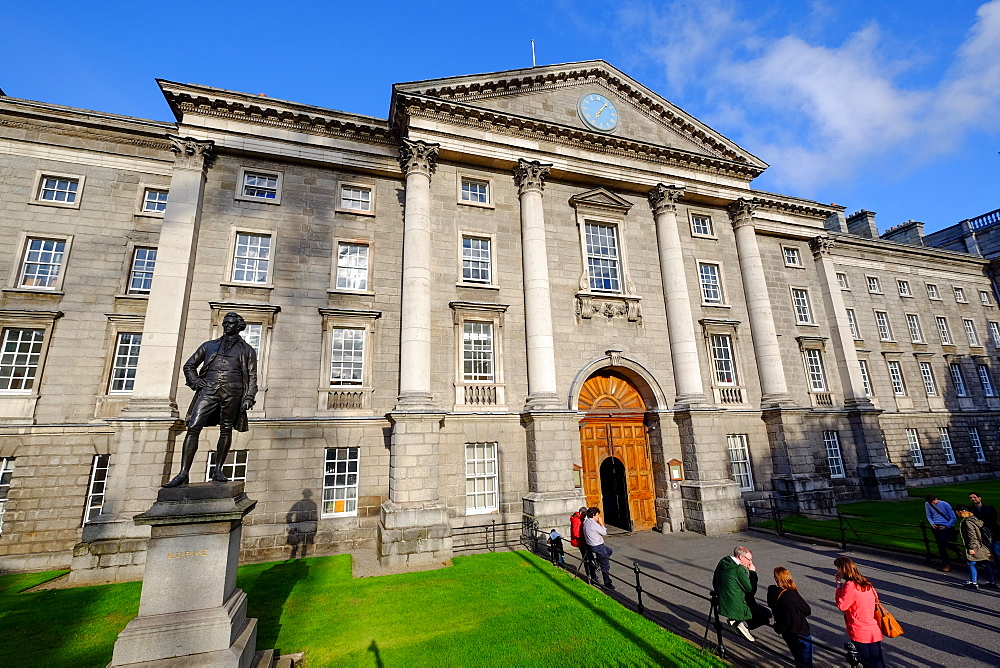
[856,597]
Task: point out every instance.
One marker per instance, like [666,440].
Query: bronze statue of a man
[225,388]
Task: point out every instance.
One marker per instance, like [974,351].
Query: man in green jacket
[735,583]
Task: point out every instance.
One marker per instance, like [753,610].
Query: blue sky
[889,106]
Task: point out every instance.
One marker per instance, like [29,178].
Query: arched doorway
[613,431]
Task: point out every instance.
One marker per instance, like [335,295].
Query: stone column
[529,177]
[155,390]
[676,298]
[418,160]
[774,389]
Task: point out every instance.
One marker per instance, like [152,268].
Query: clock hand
[598,114]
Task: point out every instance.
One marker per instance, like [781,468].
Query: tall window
[865,379]
[722,357]
[125,363]
[475,191]
[970,332]
[977,444]
[476,261]
[482,493]
[97,487]
[882,320]
[739,458]
[814,364]
[800,300]
[958,378]
[842,281]
[833,457]
[959,294]
[154,200]
[140,276]
[927,373]
[347,360]
[340,482]
[19,357]
[873,284]
[913,323]
[43,259]
[913,441]
[6,473]
[251,258]
[235,467]
[943,331]
[904,288]
[602,257]
[356,198]
[984,378]
[352,266]
[853,322]
[896,377]
[984,297]
[260,186]
[995,332]
[477,352]
[949,451]
[58,189]
[701,225]
[711,286]
[932,291]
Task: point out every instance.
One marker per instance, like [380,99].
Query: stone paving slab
[945,624]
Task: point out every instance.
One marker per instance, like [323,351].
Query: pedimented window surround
[18,407]
[725,394]
[347,400]
[602,207]
[471,395]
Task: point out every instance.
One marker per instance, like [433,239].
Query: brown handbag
[886,622]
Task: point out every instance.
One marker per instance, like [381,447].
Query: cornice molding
[84,132]
[792,207]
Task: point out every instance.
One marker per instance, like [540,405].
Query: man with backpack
[977,553]
[942,520]
[988,514]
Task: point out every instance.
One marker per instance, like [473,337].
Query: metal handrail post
[843,531]
[638,587]
[927,542]
[720,646]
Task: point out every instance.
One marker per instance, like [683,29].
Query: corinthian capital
[190,153]
[663,198]
[418,157]
[821,246]
[529,175]
[741,212]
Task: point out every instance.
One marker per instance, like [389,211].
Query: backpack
[986,537]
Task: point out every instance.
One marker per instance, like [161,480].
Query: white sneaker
[741,627]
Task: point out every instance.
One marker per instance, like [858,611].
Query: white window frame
[463,178]
[477,354]
[695,232]
[145,201]
[815,371]
[740,462]
[235,468]
[490,260]
[977,445]
[985,380]
[949,450]
[913,324]
[960,295]
[134,270]
[242,185]
[723,365]
[970,333]
[474,313]
[852,322]
[19,404]
[349,358]
[932,291]
[125,362]
[903,287]
[347,319]
[984,297]
[944,331]
[994,328]
[874,285]
[792,256]
[339,465]
[231,268]
[6,478]
[958,378]
[96,488]
[41,176]
[356,185]
[866,381]
[896,378]
[482,479]
[347,267]
[884,328]
[834,457]
[28,372]
[930,383]
[707,287]
[615,262]
[913,442]
[842,281]
[801,306]
[18,270]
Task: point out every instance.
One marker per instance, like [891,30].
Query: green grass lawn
[868,521]
[502,609]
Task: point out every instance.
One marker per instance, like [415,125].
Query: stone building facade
[521,292]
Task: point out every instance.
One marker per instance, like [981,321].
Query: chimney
[863,224]
[836,222]
[910,232]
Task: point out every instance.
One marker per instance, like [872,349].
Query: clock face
[598,112]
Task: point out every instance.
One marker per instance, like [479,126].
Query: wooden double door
[617,466]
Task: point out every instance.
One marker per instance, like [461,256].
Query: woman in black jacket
[790,612]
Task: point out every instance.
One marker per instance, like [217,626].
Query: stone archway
[614,427]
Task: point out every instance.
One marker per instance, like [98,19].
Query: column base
[882,482]
[781,400]
[414,536]
[415,401]
[804,493]
[713,507]
[541,401]
[140,407]
[692,401]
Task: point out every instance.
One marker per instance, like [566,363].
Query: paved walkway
[945,624]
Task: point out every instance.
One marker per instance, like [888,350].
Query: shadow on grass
[267,594]
[650,651]
[373,648]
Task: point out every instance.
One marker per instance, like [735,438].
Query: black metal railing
[537,542]
[487,537]
[768,515]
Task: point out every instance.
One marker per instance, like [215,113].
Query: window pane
[19,358]
[739,458]
[140,279]
[833,457]
[475,191]
[356,198]
[602,257]
[347,358]
[711,289]
[340,482]
[154,201]
[262,186]
[352,266]
[125,363]
[42,262]
[235,467]
[722,355]
[476,260]
[477,352]
[97,488]
[250,263]
[482,493]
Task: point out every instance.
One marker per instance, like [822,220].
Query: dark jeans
[801,649]
[944,538]
[870,654]
[603,553]
[588,562]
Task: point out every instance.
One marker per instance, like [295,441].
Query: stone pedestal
[713,507]
[190,611]
[882,481]
[804,493]
[553,439]
[414,535]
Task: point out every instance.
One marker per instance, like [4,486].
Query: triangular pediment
[600,198]
[550,95]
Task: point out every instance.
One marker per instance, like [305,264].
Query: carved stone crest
[589,305]
[529,175]
[418,157]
